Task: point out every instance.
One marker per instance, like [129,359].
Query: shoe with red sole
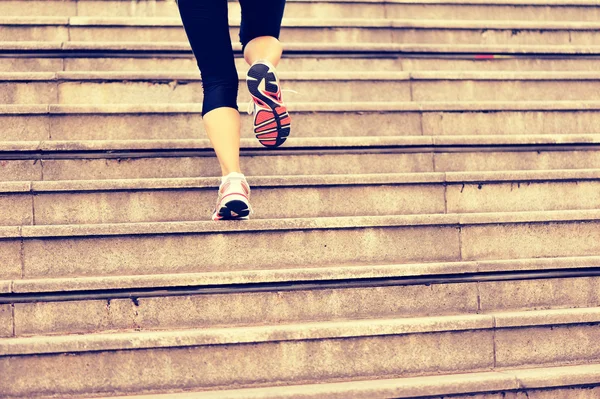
[233,202]
[271,118]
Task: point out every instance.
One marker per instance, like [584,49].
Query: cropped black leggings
[207,26]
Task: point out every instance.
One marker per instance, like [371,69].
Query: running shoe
[271,119]
[233,202]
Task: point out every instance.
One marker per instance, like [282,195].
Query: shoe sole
[233,210]
[275,123]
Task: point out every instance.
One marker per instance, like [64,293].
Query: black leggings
[207,28]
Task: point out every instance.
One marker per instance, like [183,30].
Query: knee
[220,93]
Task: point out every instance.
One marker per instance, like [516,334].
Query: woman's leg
[207,27]
[259,34]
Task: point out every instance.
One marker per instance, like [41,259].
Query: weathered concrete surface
[345,87]
[20,170]
[174,91]
[524,11]
[16,209]
[437,32]
[232,309]
[551,345]
[509,122]
[6,321]
[530,240]
[24,127]
[182,125]
[28,93]
[332,273]
[539,294]
[295,163]
[253,165]
[375,387]
[38,8]
[473,161]
[288,361]
[128,201]
[144,206]
[10,259]
[34,33]
[505,382]
[31,64]
[308,64]
[186,253]
[522,196]
[63,317]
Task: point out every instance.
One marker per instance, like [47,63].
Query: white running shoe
[234,198]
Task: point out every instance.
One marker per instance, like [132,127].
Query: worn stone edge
[330,273]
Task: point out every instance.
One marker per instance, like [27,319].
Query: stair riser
[213,252]
[199,204]
[132,126]
[320,201]
[173,91]
[324,163]
[312,10]
[297,361]
[310,35]
[15,8]
[203,311]
[174,253]
[306,64]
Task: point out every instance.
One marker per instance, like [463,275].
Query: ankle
[232,174]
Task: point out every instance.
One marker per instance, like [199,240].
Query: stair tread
[297,224]
[411,387]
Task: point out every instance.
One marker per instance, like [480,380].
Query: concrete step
[480,52]
[121,159]
[567,382]
[180,247]
[302,353]
[512,10]
[310,30]
[132,48]
[209,300]
[123,201]
[155,87]
[27,290]
[357,119]
[107,61]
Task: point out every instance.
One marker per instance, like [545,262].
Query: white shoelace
[250,109]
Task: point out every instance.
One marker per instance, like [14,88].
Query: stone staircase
[430,230]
